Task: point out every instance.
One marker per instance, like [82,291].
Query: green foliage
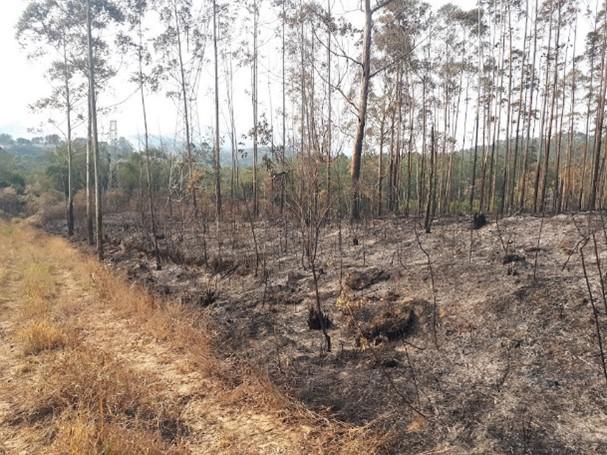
[9,176]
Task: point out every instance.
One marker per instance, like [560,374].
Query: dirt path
[56,305]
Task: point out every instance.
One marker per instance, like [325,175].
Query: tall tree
[363,99]
[217,144]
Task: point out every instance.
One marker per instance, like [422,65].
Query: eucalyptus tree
[600,118]
[181,46]
[402,28]
[591,53]
[480,31]
[523,81]
[362,102]
[135,41]
[44,26]
[253,8]
[70,26]
[530,107]
[217,143]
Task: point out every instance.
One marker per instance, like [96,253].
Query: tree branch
[379,5]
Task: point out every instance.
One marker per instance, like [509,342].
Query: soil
[470,339]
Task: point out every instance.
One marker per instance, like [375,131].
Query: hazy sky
[22,82]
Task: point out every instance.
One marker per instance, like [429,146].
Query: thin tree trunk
[90,204]
[68,112]
[509,113]
[598,132]
[380,167]
[147,149]
[568,187]
[429,201]
[217,147]
[329,101]
[363,97]
[255,135]
[95,142]
[538,169]
[478,111]
[184,95]
[519,113]
[530,113]
[552,107]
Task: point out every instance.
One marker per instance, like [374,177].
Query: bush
[116,201]
[10,202]
[42,336]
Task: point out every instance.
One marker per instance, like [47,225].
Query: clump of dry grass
[182,326]
[38,286]
[82,433]
[89,383]
[38,336]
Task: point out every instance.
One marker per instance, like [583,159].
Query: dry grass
[98,405]
[166,321]
[38,286]
[90,402]
[323,435]
[38,336]
[82,433]
[243,385]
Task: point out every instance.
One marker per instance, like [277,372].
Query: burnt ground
[501,358]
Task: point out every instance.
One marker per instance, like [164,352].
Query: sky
[22,82]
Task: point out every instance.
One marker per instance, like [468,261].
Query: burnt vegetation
[408,239]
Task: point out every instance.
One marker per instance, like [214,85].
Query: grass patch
[38,336]
[82,433]
[97,404]
[38,287]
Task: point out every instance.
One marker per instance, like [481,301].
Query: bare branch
[379,5]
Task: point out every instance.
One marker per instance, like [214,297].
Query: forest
[364,226]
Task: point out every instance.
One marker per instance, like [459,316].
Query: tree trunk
[147,149]
[255,135]
[538,169]
[598,132]
[330,119]
[68,111]
[478,112]
[95,141]
[184,95]
[530,113]
[380,167]
[363,97]
[430,199]
[217,147]
[552,107]
[519,113]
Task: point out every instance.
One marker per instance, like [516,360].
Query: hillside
[487,344]
[91,365]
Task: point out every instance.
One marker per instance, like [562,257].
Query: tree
[43,23]
[179,64]
[361,106]
[217,144]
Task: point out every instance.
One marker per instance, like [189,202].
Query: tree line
[390,107]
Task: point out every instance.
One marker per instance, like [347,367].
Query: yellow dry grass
[80,434]
[38,336]
[98,405]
